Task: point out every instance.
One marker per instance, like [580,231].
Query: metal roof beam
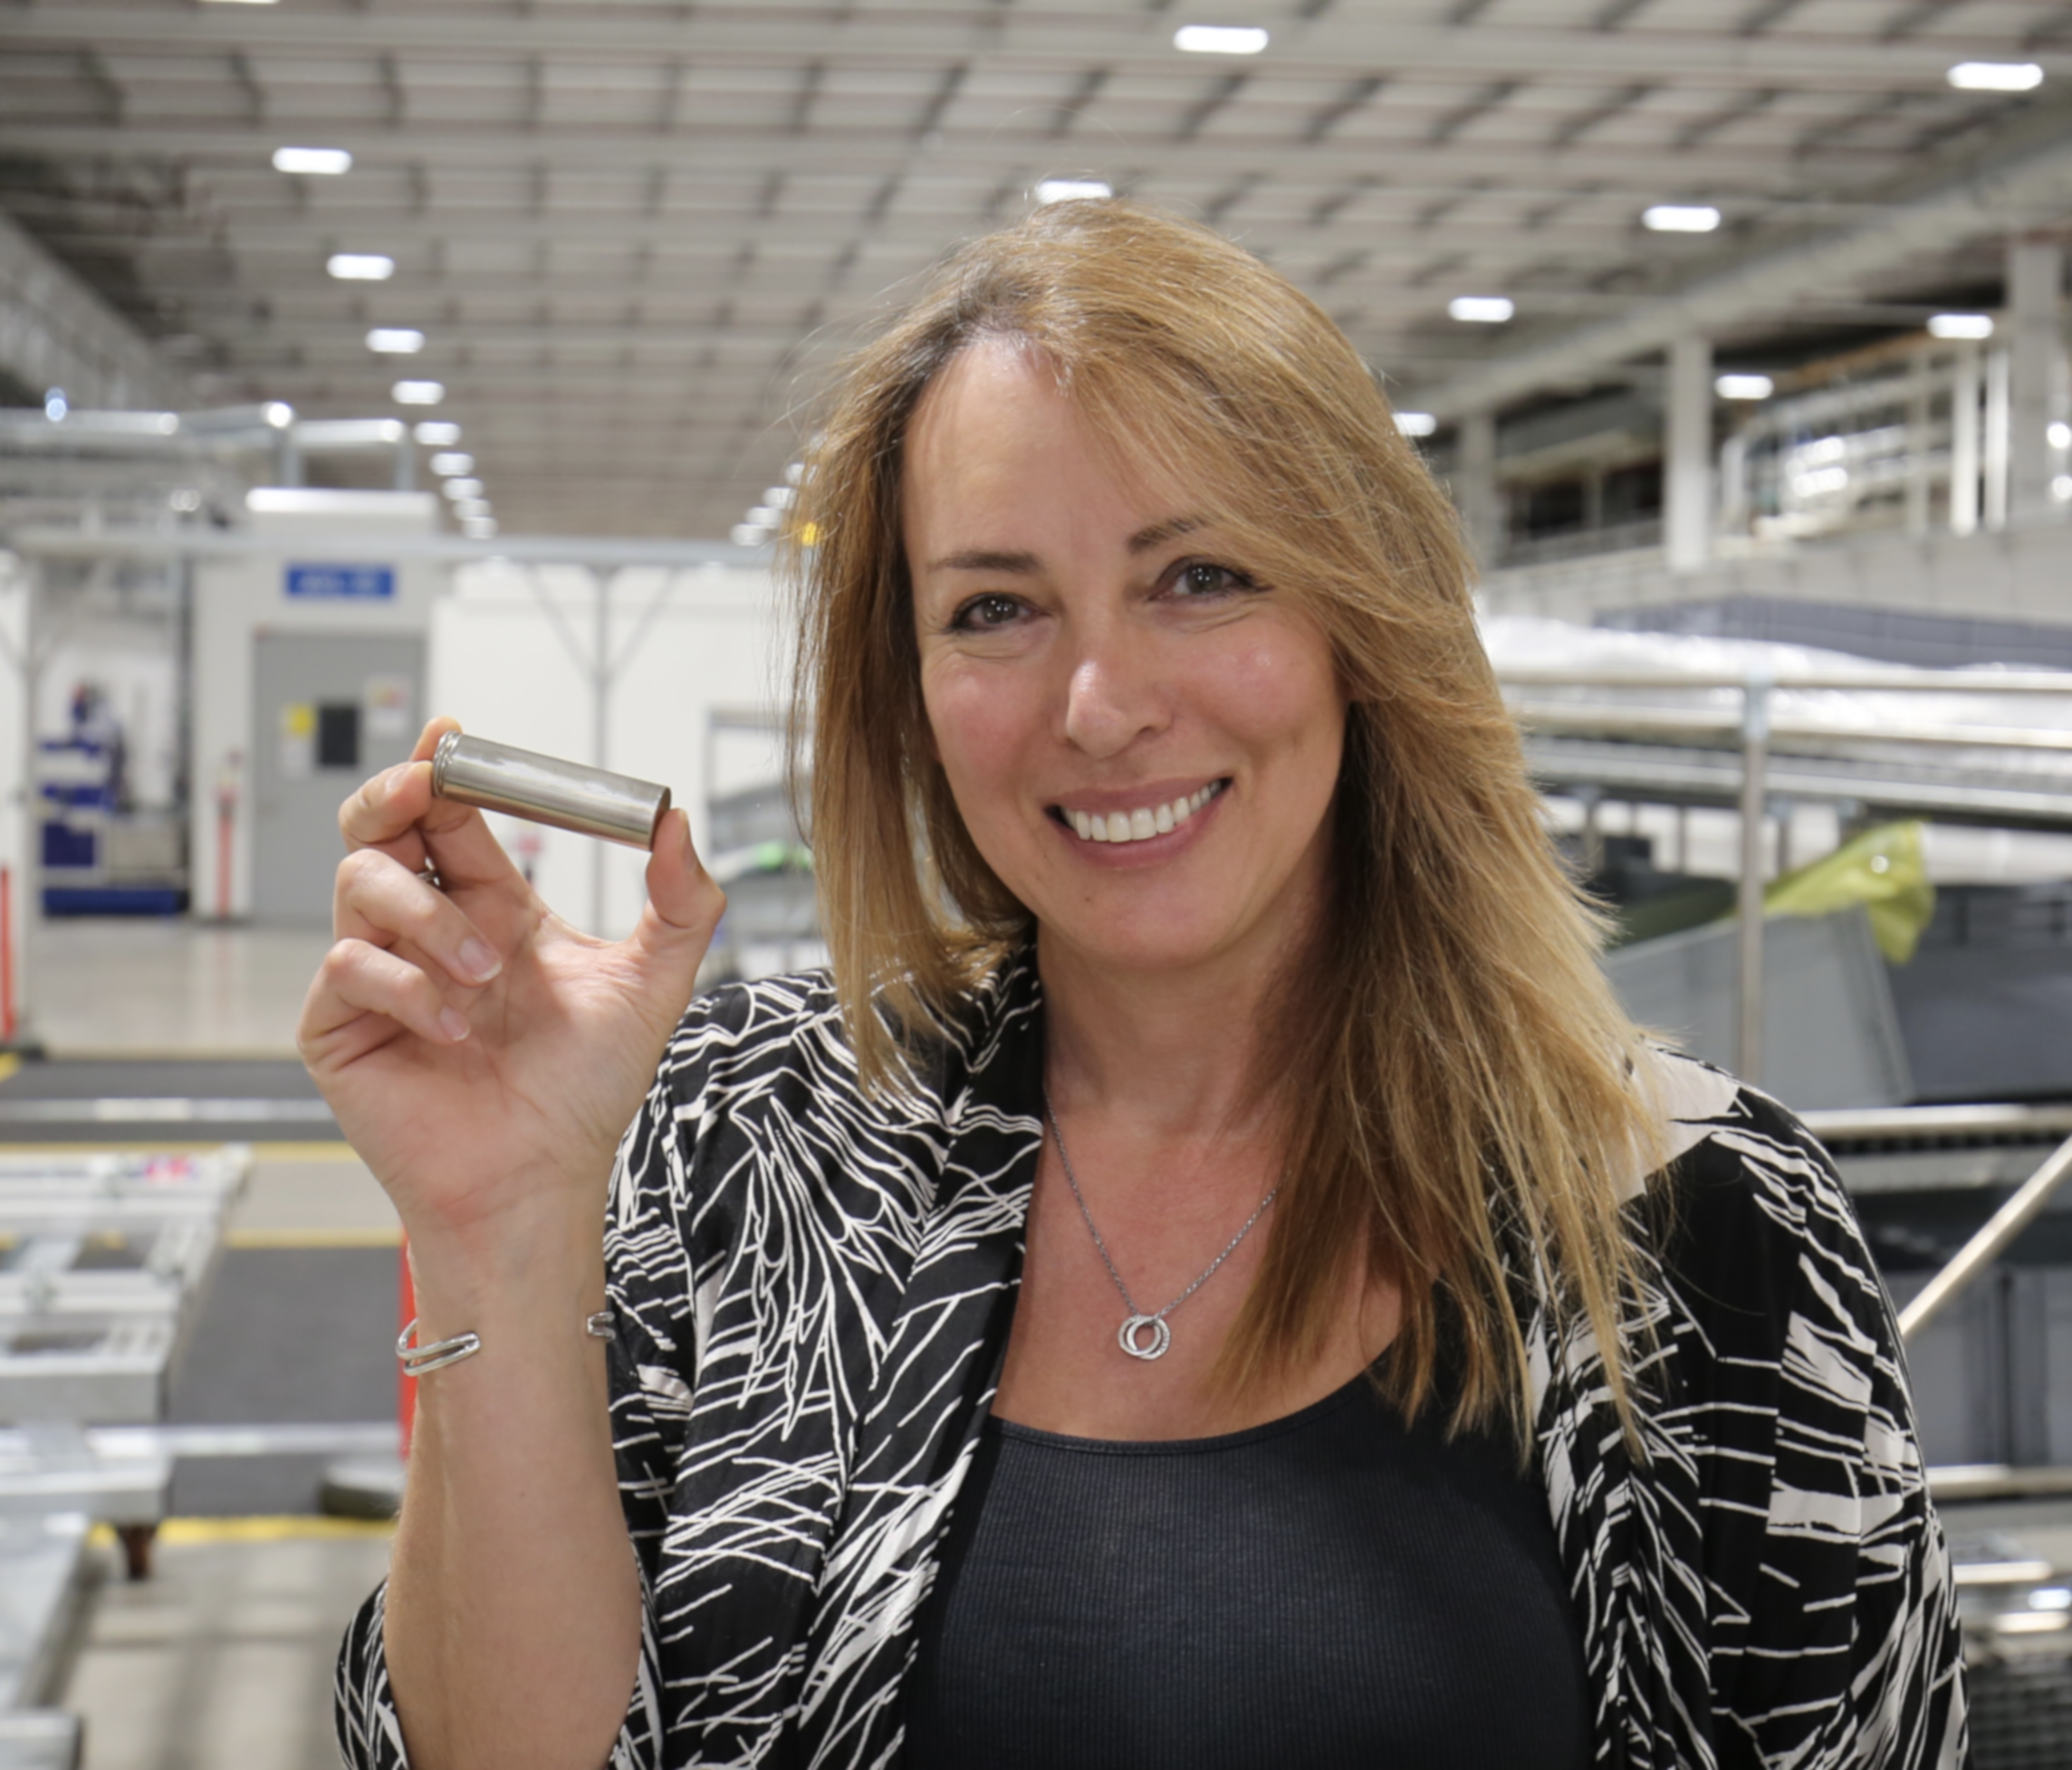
[1773,169]
[1334,47]
[1989,198]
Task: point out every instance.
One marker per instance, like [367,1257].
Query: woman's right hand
[482,1057]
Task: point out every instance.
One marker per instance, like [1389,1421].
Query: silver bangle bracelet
[417,1361]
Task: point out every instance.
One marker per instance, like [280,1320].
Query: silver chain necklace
[1129,1337]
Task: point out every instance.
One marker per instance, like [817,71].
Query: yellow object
[1883,870]
[180,1532]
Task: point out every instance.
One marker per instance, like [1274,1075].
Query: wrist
[541,1255]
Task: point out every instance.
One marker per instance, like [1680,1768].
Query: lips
[1140,824]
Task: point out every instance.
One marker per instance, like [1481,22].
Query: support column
[1474,488]
[2035,277]
[1687,469]
[1964,440]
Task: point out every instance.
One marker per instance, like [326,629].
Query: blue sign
[353,583]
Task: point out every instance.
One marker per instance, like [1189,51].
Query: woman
[1189,1287]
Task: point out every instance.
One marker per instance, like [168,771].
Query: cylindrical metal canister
[546,790]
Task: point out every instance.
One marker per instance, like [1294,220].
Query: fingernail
[478,962]
[453,1024]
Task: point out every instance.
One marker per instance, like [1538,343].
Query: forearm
[513,1626]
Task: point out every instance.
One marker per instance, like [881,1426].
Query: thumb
[683,908]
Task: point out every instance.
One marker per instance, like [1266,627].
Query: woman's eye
[1200,578]
[986,611]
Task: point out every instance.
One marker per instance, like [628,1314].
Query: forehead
[996,430]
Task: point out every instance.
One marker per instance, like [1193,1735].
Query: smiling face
[1142,739]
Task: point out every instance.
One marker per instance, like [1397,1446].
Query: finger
[675,927]
[379,901]
[383,808]
[356,978]
[396,811]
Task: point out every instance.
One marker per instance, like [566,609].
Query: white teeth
[1140,825]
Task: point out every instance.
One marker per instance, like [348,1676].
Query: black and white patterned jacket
[815,1289]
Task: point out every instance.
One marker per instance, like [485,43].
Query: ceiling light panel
[417,392]
[1220,39]
[1680,218]
[1481,309]
[446,465]
[1996,76]
[436,434]
[323,163]
[396,340]
[360,267]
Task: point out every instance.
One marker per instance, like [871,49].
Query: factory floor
[222,1656]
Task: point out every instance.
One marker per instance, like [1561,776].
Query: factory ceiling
[635,233]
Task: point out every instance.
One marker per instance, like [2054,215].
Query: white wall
[511,659]
[235,600]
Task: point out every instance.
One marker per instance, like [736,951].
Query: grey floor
[222,1659]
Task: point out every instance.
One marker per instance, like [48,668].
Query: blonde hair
[1461,1085]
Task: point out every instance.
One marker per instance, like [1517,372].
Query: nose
[1113,696]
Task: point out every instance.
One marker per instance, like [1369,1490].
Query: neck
[1178,1051]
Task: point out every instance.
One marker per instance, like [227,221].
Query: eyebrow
[1025,565]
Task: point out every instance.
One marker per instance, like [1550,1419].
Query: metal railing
[1757,729]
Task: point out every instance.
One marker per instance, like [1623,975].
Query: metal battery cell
[545,790]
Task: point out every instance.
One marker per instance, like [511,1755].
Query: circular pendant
[1130,1337]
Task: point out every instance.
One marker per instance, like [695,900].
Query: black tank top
[1333,1589]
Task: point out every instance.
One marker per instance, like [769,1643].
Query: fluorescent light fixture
[2059,435]
[1415,424]
[795,473]
[323,162]
[1744,386]
[1961,325]
[1996,76]
[471,509]
[349,432]
[479,529]
[1482,310]
[360,267]
[2050,1598]
[186,499]
[437,433]
[1072,191]
[1680,217]
[2060,488]
[779,497]
[396,340]
[763,516]
[55,404]
[747,535]
[239,2]
[463,486]
[1219,39]
[446,465]
[417,392]
[279,414]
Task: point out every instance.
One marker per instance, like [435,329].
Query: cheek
[1280,689]
[977,719]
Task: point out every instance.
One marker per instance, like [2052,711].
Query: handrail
[2009,682]
[2001,1228]
[1849,1124]
[1696,722]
